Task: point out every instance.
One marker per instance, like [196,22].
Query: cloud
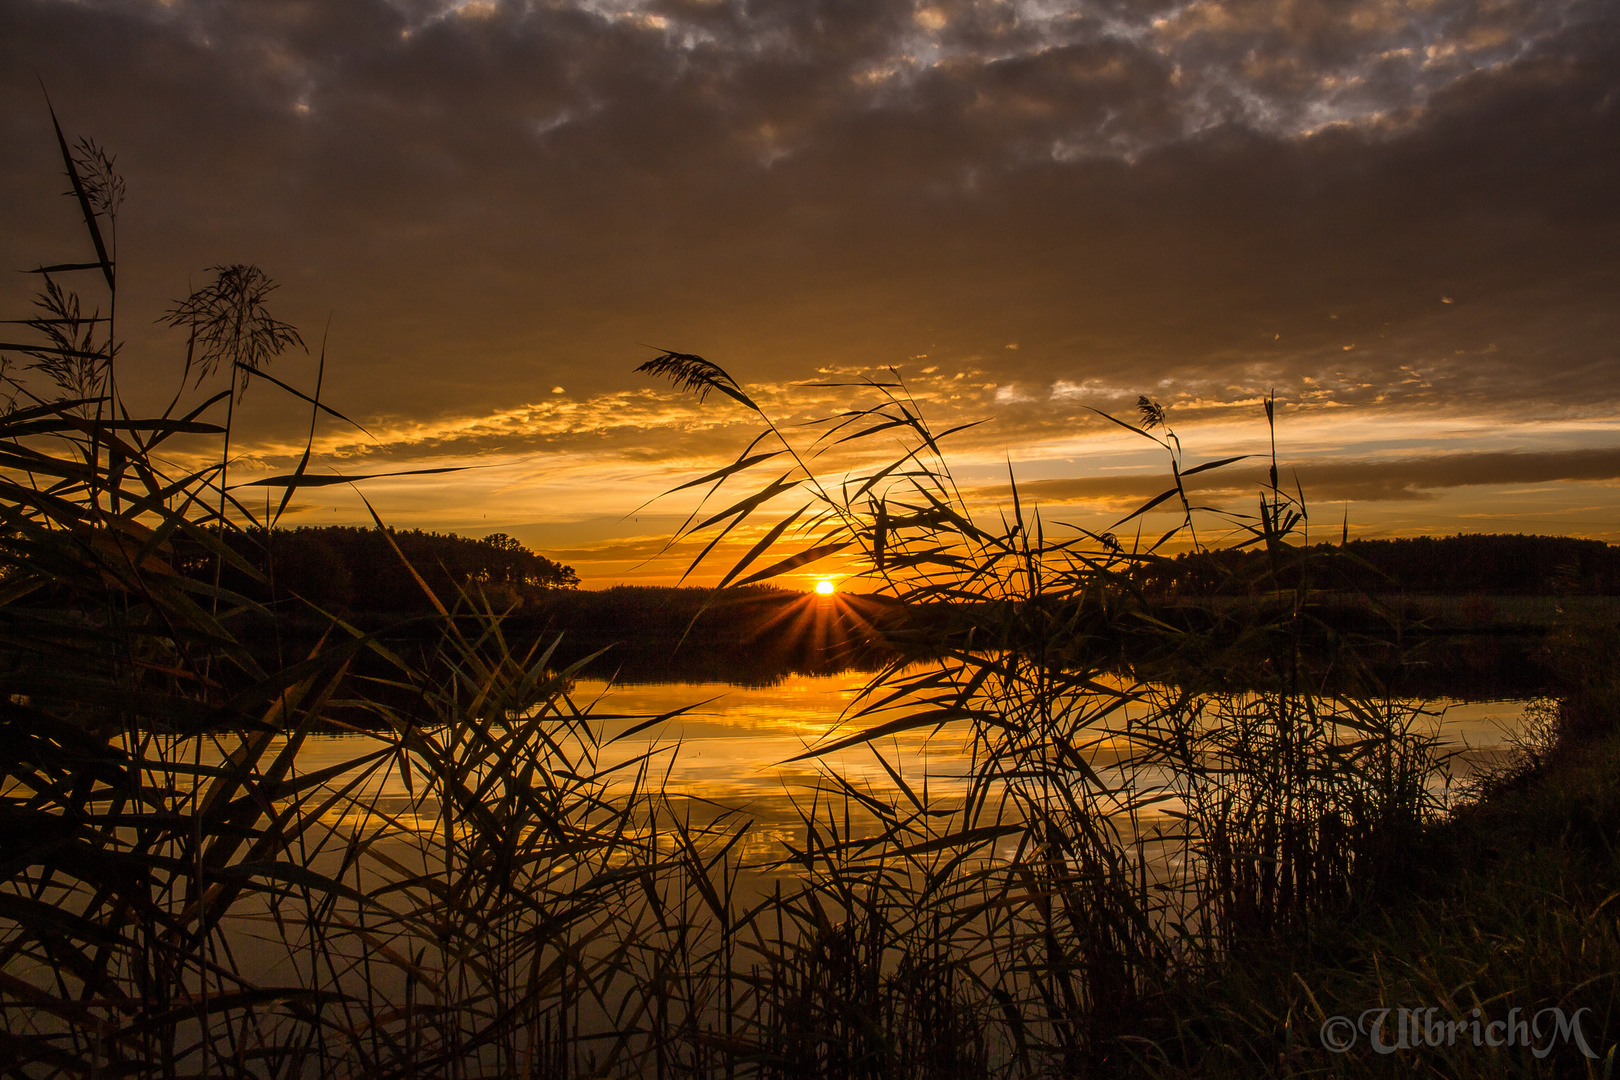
[1202,201]
[635,549]
[1403,479]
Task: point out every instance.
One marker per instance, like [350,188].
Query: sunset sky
[1403,217]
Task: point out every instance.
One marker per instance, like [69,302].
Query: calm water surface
[735,746]
[738,743]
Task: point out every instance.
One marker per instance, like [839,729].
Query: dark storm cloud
[1213,198]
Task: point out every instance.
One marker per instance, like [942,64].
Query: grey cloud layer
[1350,481]
[1217,196]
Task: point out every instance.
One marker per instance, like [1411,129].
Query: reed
[1115,834]
[471,889]
[185,891]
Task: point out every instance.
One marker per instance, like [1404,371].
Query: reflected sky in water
[737,742]
[735,745]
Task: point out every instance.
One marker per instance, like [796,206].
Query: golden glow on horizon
[615,529]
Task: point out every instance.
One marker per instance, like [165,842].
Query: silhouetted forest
[354,570]
[347,570]
[759,633]
[753,634]
[1492,565]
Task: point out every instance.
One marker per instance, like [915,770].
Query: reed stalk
[472,890]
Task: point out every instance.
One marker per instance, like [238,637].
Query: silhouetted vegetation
[1482,564]
[758,633]
[346,569]
[753,635]
[476,881]
[1507,903]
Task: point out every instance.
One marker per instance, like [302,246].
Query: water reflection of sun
[825,587]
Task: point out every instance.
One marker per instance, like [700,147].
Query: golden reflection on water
[738,744]
[730,756]
[734,749]
[735,744]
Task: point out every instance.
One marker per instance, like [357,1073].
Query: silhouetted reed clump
[188,889]
[474,883]
[1117,831]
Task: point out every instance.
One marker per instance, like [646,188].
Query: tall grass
[465,888]
[187,892]
[1114,833]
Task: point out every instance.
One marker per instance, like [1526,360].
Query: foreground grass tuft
[1514,904]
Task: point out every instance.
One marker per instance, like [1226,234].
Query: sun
[825,587]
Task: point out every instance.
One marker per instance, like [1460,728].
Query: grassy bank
[1510,904]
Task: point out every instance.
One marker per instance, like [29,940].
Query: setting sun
[657,310]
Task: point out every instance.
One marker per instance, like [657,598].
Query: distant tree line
[1501,565]
[350,569]
[355,572]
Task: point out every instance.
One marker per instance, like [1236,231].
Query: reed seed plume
[229,323]
[1151,411]
[71,356]
[99,176]
[691,373]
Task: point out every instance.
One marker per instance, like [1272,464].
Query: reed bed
[472,891]
[1115,834]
